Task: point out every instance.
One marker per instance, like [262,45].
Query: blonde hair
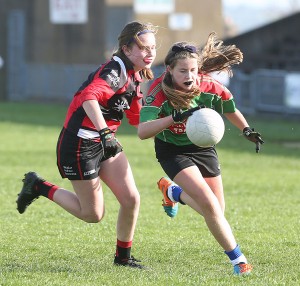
[130,35]
[213,57]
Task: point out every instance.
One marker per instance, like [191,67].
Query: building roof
[273,46]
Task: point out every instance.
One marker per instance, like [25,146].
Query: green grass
[47,246]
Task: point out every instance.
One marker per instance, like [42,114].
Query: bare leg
[86,203]
[216,185]
[206,203]
[117,175]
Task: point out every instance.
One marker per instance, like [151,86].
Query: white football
[205,127]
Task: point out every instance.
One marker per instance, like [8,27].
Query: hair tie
[138,34]
[188,48]
[144,32]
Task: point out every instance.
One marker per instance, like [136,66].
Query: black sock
[123,249]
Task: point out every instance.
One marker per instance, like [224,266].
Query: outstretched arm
[237,119]
[151,128]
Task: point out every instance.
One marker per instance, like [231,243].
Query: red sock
[52,191]
[46,189]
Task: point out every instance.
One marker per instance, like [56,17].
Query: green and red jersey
[212,94]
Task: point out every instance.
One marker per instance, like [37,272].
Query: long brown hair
[179,99]
[217,57]
[213,57]
[130,35]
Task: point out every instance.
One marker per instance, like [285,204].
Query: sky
[248,15]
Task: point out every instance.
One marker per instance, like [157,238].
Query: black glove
[253,136]
[179,116]
[111,145]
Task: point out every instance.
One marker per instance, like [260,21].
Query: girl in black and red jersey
[88,151]
[185,87]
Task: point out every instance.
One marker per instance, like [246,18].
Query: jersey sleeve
[114,76]
[149,113]
[105,83]
[223,101]
[153,102]
[216,95]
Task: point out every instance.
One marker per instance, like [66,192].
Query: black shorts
[78,158]
[174,158]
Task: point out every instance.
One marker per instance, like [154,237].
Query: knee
[132,201]
[211,208]
[94,217]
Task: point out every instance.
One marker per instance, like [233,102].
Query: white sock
[170,193]
[238,260]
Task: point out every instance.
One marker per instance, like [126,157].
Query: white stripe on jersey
[87,134]
[117,59]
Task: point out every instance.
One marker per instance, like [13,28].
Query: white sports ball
[205,127]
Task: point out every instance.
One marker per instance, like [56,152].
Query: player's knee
[93,217]
[211,208]
[132,201]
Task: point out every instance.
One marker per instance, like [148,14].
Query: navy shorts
[78,158]
[174,158]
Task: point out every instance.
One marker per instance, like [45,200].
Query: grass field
[47,246]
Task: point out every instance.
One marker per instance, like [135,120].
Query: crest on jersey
[121,105]
[149,99]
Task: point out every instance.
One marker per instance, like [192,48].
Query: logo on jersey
[178,128]
[114,78]
[121,105]
[149,99]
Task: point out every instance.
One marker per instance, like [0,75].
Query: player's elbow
[142,132]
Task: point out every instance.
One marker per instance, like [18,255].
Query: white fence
[272,91]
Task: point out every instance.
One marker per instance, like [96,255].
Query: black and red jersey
[116,87]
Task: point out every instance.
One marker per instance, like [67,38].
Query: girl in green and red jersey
[185,87]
